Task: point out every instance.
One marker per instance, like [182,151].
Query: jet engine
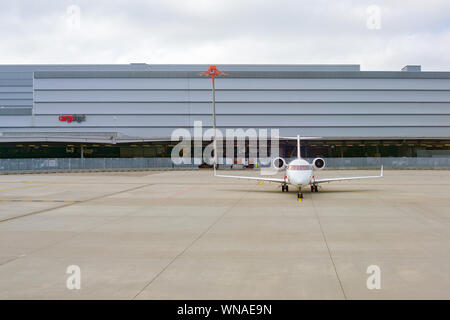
[279,163]
[318,163]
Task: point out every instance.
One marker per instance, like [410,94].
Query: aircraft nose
[305,181]
[300,180]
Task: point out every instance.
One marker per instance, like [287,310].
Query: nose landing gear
[300,194]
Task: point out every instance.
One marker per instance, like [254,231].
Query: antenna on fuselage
[298,146]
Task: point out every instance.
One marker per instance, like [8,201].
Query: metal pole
[214,121]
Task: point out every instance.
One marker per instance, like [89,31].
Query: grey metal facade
[148,101]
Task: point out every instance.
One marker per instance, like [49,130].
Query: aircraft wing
[278,180]
[348,178]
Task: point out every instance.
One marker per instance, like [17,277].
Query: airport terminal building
[129,111]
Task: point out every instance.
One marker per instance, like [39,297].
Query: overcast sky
[379,35]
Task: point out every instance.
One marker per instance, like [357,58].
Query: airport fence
[376,163]
[115,164]
[387,163]
[88,164]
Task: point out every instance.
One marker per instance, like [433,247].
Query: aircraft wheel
[316,189]
[312,188]
[287,188]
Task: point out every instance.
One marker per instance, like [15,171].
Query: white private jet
[299,173]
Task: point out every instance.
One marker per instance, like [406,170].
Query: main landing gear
[314,188]
[284,188]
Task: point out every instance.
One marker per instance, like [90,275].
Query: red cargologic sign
[73,117]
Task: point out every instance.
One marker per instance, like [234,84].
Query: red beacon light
[212,72]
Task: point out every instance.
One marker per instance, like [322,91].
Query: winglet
[381,174]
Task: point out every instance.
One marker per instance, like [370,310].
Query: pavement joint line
[26,187]
[421,213]
[72,203]
[46,184]
[39,185]
[189,245]
[74,235]
[78,233]
[65,239]
[328,248]
[176,194]
[10,260]
[407,195]
[33,200]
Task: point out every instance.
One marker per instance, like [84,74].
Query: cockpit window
[299,167]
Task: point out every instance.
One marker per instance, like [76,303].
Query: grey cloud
[232,31]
